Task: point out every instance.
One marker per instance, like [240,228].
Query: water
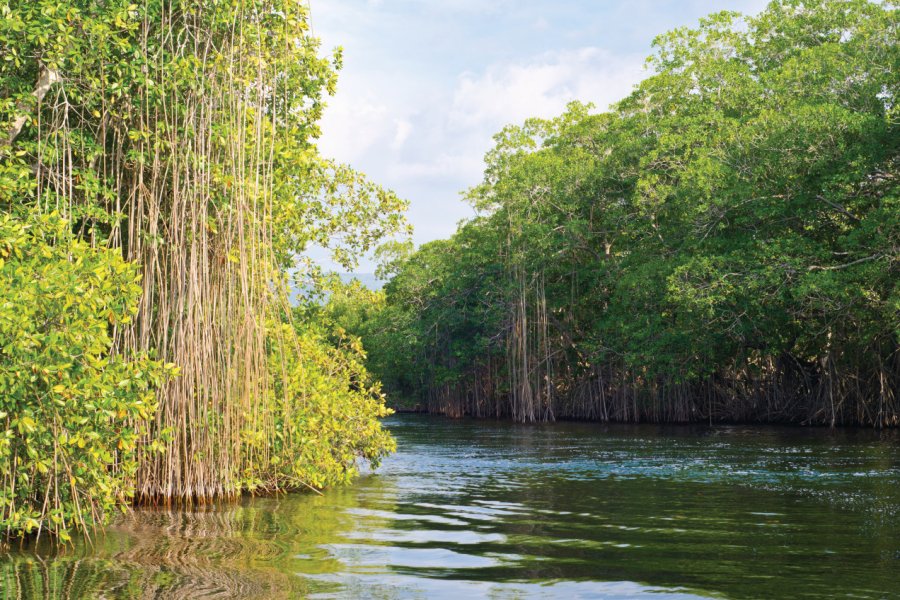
[470,509]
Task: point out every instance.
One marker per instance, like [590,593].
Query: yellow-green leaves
[180,135]
[326,410]
[71,413]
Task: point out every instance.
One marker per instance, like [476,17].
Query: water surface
[471,509]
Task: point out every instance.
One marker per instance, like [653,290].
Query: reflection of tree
[251,550]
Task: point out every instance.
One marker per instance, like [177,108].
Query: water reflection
[496,510]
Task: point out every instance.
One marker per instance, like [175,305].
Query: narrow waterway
[470,509]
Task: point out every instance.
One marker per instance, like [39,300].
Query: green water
[469,509]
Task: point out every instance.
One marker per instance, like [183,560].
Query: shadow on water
[498,510]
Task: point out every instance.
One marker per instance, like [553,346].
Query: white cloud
[353,125]
[462,166]
[541,87]
[402,129]
[444,133]
[427,141]
[426,83]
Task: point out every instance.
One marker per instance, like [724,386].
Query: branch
[838,207]
[844,266]
[46,79]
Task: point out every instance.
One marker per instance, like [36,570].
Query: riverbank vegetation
[722,245]
[158,181]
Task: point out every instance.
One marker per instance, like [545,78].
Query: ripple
[496,510]
[364,555]
[428,518]
[400,586]
[428,536]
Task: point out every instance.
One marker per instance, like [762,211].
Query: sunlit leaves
[71,412]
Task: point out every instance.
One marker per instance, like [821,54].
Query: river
[472,509]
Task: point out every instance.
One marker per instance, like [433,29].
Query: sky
[427,83]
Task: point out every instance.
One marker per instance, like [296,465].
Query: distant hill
[367,279]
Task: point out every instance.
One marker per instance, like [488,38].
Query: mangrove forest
[159,182]
[660,357]
[723,245]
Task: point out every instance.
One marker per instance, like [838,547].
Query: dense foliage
[329,408]
[177,140]
[724,244]
[71,412]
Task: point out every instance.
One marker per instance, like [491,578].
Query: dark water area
[471,509]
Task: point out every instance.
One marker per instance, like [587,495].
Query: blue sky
[426,83]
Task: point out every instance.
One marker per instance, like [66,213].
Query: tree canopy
[722,244]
